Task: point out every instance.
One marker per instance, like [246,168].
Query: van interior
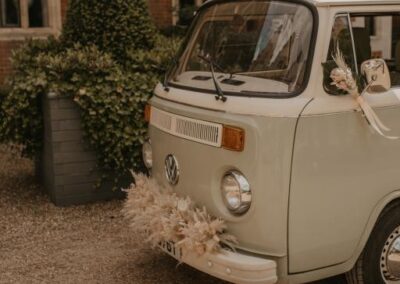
[375,36]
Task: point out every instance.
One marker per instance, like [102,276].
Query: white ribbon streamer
[373,118]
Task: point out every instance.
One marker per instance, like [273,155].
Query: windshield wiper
[220,94]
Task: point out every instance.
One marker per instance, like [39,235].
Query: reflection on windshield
[258,46]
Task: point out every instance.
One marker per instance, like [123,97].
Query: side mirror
[377,75]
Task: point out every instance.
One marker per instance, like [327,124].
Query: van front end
[223,123]
[187,155]
[198,171]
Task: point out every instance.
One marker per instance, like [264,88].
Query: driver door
[341,168]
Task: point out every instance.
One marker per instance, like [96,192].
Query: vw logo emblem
[172,169]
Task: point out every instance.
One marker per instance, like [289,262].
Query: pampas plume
[161,215]
[342,77]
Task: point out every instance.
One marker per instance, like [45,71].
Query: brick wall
[6,48]
[64,6]
[161,11]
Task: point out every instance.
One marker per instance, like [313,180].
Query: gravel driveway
[40,243]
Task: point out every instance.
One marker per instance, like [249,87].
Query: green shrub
[111,96]
[175,31]
[106,63]
[4,91]
[157,60]
[113,26]
[20,110]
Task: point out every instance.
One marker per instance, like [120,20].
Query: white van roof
[352,2]
[347,2]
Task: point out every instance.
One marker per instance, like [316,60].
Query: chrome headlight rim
[147,154]
[245,193]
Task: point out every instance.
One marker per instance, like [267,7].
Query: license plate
[171,249]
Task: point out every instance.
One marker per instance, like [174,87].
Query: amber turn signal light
[147,113]
[233,138]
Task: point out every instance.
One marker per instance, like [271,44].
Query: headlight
[236,192]
[147,153]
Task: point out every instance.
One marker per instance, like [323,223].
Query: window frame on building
[53,23]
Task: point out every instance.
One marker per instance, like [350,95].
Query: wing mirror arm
[367,87]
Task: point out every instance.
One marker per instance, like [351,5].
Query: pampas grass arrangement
[160,215]
[342,77]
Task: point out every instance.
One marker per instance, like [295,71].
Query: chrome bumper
[234,267]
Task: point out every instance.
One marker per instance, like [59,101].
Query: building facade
[22,19]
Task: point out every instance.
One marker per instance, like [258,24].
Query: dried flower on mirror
[342,77]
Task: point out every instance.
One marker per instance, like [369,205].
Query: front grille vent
[192,129]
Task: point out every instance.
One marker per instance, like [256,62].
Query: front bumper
[234,267]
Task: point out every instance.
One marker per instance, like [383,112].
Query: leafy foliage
[113,26]
[111,96]
[175,31]
[108,61]
[20,107]
[156,60]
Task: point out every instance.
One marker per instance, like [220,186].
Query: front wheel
[380,261]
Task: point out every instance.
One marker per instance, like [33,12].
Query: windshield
[255,47]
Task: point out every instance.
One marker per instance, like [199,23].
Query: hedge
[115,26]
[111,97]
[108,60]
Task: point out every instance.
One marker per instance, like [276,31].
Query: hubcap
[390,258]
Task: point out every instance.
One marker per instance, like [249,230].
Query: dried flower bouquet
[161,215]
[342,77]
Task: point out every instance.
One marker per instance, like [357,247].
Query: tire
[372,267]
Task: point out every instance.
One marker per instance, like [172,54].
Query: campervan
[250,123]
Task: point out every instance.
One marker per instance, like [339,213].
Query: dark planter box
[67,167]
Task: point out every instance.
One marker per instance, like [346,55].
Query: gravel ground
[40,243]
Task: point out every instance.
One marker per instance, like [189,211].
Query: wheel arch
[392,199]
[385,203]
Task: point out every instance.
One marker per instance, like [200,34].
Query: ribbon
[373,119]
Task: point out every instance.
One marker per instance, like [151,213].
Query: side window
[378,37]
[37,13]
[9,13]
[24,14]
[341,37]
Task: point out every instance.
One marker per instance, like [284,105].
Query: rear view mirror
[377,75]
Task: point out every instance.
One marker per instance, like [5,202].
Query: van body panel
[265,162]
[257,106]
[338,161]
